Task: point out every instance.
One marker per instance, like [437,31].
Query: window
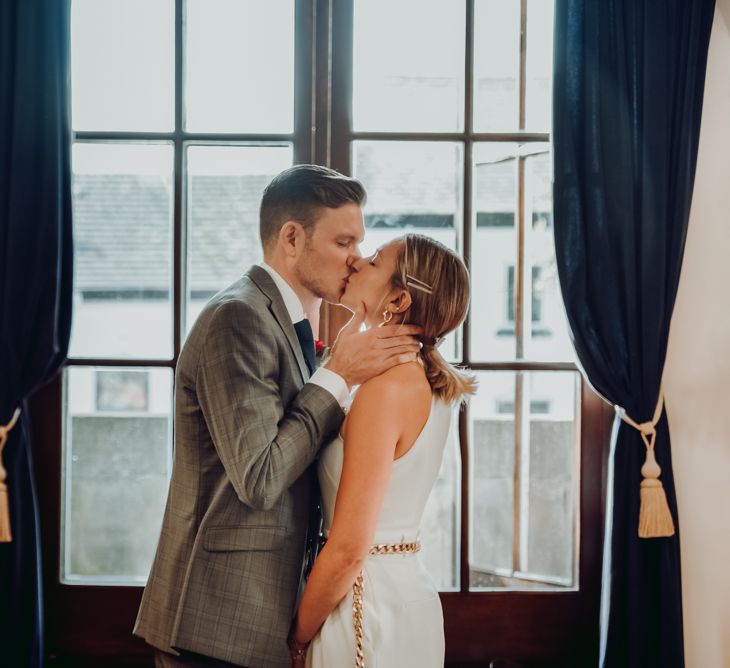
[451,124]
[188,165]
[454,130]
[446,121]
[116,469]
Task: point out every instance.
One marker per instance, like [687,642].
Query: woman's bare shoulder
[401,384]
[401,396]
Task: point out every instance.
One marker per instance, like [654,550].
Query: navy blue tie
[306,341]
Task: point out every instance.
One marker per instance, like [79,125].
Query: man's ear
[401,301]
[291,237]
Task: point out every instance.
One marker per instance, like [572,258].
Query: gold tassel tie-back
[655,518]
[359,586]
[6,536]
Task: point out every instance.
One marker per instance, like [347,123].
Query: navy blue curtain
[35,282]
[628,88]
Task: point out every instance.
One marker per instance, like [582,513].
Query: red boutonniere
[319,348]
[320,352]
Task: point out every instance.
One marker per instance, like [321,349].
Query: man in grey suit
[251,413]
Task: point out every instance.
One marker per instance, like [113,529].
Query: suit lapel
[265,283]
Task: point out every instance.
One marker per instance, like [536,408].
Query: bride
[368,600]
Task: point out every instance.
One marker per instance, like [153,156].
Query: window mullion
[523,62]
[517,475]
[305,81]
[467,223]
[520,411]
[520,222]
[524,472]
[177,235]
[519,274]
[464,574]
[340,129]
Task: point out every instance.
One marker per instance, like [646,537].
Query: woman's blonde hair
[438,282]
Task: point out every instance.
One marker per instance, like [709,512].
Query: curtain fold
[627,103]
[36,264]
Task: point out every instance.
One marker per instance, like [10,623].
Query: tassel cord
[6,535]
[7,428]
[655,518]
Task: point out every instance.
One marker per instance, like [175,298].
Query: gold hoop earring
[387,317]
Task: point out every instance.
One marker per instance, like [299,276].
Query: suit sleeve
[264,446]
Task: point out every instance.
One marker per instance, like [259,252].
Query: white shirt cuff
[334,384]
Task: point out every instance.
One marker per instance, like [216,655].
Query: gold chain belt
[359,586]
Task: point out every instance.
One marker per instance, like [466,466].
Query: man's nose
[352,261]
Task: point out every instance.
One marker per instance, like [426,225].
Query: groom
[251,413]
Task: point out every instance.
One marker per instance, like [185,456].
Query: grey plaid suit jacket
[225,578]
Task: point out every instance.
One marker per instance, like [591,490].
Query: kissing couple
[291,530]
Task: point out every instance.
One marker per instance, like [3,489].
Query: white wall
[697,377]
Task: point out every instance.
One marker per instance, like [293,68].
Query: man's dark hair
[299,193]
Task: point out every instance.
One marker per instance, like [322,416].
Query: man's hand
[358,356]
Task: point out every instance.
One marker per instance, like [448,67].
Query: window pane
[122,201]
[492,476]
[440,535]
[122,65]
[547,335]
[550,518]
[496,65]
[408,70]
[412,187]
[539,65]
[494,252]
[529,463]
[239,66]
[225,184]
[117,459]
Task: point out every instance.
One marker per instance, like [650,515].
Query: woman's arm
[374,426]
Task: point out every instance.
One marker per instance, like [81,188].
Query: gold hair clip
[413,282]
